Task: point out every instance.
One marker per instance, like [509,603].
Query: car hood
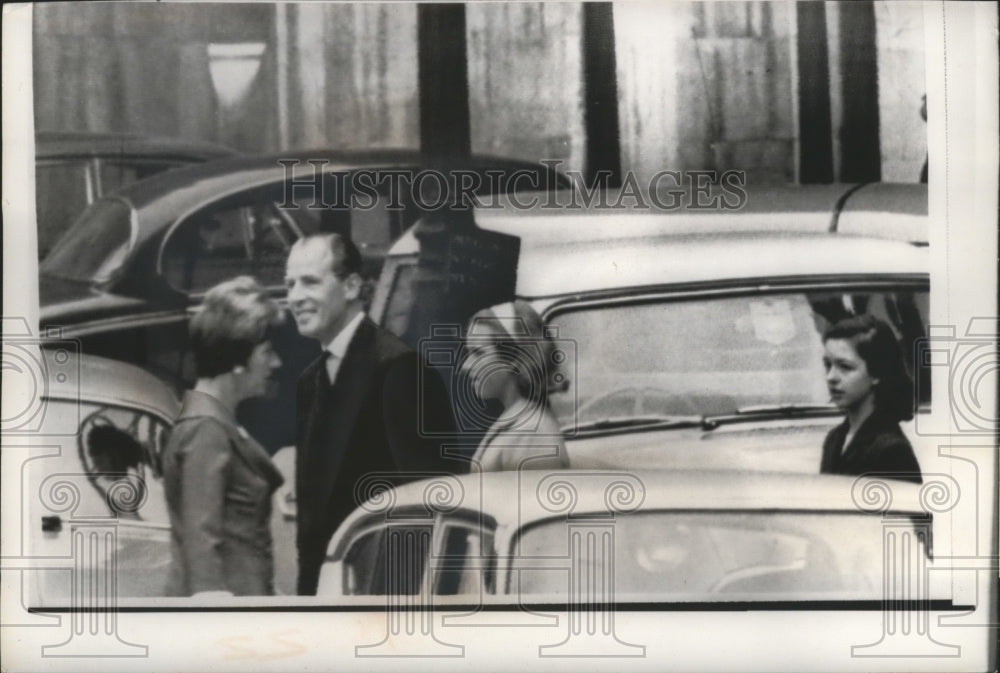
[773,446]
[779,445]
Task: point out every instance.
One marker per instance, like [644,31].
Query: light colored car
[97,484]
[693,338]
[645,536]
[96,499]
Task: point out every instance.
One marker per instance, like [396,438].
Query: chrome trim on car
[722,288]
[135,320]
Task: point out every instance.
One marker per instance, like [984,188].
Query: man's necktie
[332,365]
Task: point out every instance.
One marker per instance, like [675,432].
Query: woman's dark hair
[876,344]
[236,316]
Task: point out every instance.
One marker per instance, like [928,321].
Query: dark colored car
[73,169]
[125,276]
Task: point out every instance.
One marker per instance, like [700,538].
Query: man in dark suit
[357,404]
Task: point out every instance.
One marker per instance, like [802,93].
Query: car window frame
[479,523]
[368,526]
[263,183]
[474,520]
[100,405]
[506,545]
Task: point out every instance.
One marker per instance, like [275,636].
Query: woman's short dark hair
[235,316]
[876,344]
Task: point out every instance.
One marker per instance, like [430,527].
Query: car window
[659,556]
[121,450]
[395,557]
[62,191]
[95,246]
[388,559]
[237,237]
[465,560]
[707,356]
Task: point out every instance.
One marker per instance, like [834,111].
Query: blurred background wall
[701,85]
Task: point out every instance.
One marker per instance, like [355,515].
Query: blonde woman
[509,359]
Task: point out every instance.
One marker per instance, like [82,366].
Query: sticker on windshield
[772,320]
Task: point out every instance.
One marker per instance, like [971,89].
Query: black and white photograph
[500,335]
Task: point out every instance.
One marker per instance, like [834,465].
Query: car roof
[582,493]
[246,170]
[169,195]
[889,210]
[105,381]
[553,269]
[781,231]
[53,144]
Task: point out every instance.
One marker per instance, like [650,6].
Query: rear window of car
[97,243]
[117,174]
[724,555]
[62,191]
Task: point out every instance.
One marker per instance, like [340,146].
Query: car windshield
[724,555]
[93,248]
[713,356]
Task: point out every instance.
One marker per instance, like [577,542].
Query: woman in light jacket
[510,359]
[218,480]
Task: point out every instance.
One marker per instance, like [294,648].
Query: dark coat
[878,447]
[218,484]
[369,421]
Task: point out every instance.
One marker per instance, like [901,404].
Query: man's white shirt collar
[338,347]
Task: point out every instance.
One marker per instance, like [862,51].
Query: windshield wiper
[789,409]
[659,422]
[631,422]
[768,411]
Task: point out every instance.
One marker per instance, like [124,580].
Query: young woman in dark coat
[867,380]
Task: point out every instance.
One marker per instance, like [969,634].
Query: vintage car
[602,538]
[73,169]
[692,339]
[94,499]
[125,276]
[94,492]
